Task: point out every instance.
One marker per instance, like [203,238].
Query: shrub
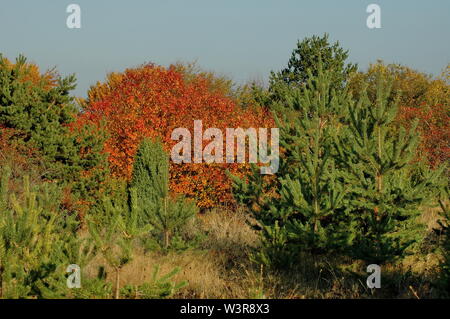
[37,242]
[115,230]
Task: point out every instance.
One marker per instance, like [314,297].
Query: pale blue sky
[244,39]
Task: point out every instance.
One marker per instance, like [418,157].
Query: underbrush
[220,267]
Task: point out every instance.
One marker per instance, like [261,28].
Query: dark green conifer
[41,113]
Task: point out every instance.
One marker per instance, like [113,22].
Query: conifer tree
[165,213]
[117,230]
[312,190]
[302,214]
[41,110]
[385,188]
[306,58]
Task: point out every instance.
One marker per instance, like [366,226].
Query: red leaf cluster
[434,127]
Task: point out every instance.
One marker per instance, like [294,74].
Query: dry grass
[228,231]
[210,271]
[430,217]
[426,263]
[220,268]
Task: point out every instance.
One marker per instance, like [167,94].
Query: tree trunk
[117,288]
[166,239]
[166,231]
[1,282]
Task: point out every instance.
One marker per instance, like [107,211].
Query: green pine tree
[308,55]
[302,214]
[37,242]
[386,190]
[41,113]
[444,224]
[312,191]
[159,286]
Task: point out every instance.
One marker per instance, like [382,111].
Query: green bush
[37,242]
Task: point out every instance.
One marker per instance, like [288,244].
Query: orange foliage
[151,101]
[30,72]
[18,157]
[434,127]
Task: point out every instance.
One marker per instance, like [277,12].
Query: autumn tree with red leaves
[151,101]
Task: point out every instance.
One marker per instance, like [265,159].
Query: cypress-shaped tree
[167,214]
